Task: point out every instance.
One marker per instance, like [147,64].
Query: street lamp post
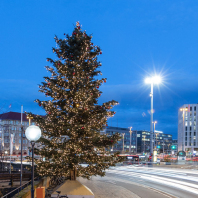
[123,142]
[152,80]
[33,133]
[130,140]
[155,122]
[183,109]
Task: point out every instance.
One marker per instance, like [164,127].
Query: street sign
[150,157]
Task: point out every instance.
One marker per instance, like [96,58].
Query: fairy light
[74,118]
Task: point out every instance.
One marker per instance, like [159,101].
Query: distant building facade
[140,141]
[10,123]
[125,131]
[163,142]
[188,128]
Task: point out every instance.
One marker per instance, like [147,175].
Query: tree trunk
[73,174]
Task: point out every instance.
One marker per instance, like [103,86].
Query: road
[145,182]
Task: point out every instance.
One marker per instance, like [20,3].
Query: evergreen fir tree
[74,119]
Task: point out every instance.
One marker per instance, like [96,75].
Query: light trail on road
[175,182]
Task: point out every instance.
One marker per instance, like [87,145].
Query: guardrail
[17,190]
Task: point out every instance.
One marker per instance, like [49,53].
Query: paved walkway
[106,189]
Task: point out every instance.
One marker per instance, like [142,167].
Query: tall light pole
[33,133]
[152,80]
[155,122]
[130,140]
[183,109]
[123,142]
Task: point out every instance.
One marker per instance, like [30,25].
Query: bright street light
[152,80]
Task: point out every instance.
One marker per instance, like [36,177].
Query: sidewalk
[106,189]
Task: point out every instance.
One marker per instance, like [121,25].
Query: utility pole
[130,140]
[183,130]
[21,178]
[123,142]
[155,122]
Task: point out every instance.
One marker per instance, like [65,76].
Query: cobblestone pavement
[106,189]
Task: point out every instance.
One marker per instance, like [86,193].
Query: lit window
[190,123]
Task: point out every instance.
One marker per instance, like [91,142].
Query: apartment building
[188,128]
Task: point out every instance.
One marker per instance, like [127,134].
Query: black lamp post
[33,133]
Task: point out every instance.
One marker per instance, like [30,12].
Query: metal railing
[17,190]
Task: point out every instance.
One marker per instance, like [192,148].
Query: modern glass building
[140,141]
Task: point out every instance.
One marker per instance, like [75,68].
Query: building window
[190,123]
[194,123]
[190,108]
[185,138]
[194,137]
[194,143]
[186,123]
[186,118]
[194,133]
[185,143]
[190,128]
[186,133]
[186,128]
[195,108]
[190,133]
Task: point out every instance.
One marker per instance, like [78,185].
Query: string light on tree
[73,121]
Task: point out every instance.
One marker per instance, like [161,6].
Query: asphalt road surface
[145,182]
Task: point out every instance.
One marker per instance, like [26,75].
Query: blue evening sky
[138,38]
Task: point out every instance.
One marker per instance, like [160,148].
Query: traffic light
[173,146]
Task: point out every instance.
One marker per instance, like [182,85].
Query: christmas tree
[74,119]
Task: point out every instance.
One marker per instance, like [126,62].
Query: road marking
[148,187]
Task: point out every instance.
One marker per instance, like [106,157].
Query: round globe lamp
[33,133]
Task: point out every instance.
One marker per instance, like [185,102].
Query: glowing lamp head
[33,133]
[148,81]
[153,80]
